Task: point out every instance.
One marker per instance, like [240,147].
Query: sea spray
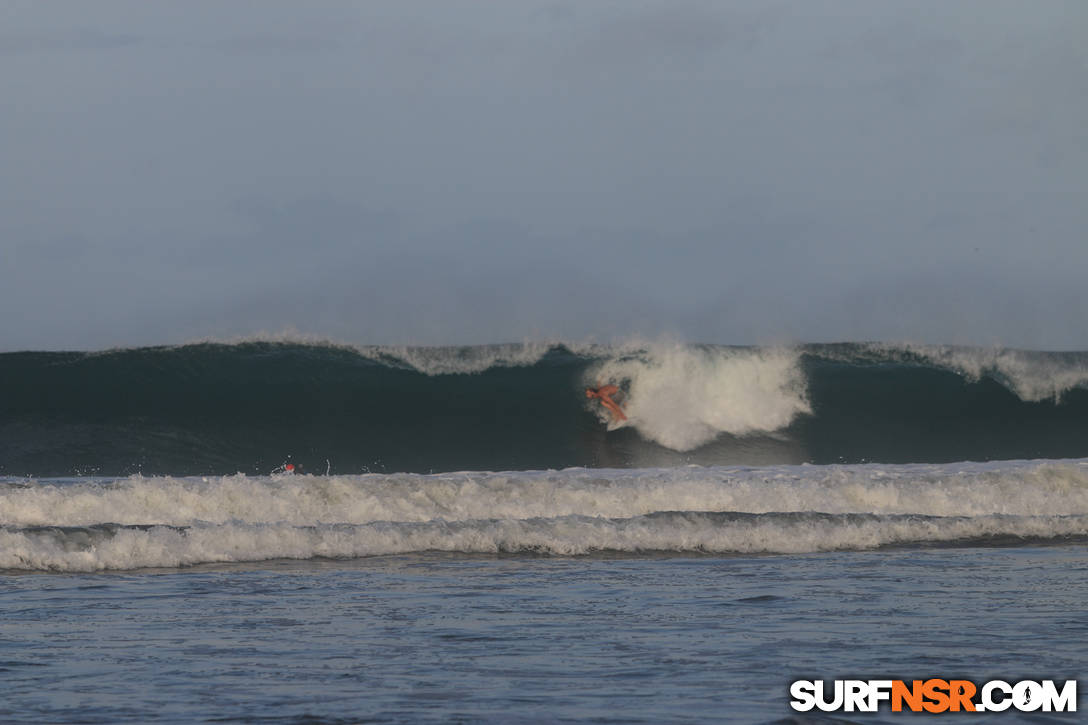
[686,396]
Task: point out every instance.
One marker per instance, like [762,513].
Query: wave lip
[464,360]
[1032,375]
[169,522]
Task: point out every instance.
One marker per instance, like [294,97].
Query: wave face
[215,409]
[90,525]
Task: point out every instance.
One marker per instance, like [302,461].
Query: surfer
[604,394]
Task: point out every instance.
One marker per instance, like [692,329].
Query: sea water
[579,595]
[159,565]
[522,638]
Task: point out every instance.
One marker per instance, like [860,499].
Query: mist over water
[741,173]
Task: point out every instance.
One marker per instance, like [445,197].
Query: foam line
[1025,488]
[115,547]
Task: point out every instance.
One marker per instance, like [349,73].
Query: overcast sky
[467,172]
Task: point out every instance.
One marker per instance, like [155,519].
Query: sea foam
[165,521]
[684,396]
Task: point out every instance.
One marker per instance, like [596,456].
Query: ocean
[462,539]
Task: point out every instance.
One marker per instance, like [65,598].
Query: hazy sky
[443,172]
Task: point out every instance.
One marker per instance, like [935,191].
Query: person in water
[604,394]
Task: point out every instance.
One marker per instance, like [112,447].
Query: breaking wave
[81,525]
[214,409]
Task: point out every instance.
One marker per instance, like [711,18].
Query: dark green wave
[219,408]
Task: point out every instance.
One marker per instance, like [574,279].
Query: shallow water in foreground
[522,638]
